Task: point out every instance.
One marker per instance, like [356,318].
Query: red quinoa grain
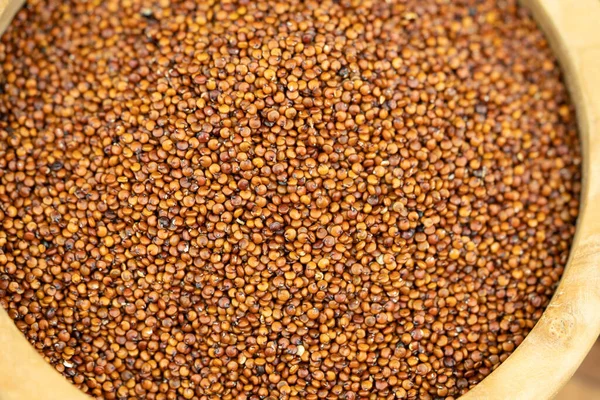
[338,199]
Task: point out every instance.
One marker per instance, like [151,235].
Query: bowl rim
[570,325]
[556,346]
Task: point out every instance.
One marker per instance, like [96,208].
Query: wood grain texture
[551,353]
[553,350]
[585,384]
[8,9]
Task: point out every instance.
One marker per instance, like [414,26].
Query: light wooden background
[585,384]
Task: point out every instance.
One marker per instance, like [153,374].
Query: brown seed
[286,199]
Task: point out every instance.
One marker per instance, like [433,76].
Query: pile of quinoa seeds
[299,199]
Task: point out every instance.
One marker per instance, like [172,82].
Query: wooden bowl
[556,346]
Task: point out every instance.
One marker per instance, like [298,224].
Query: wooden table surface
[585,384]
